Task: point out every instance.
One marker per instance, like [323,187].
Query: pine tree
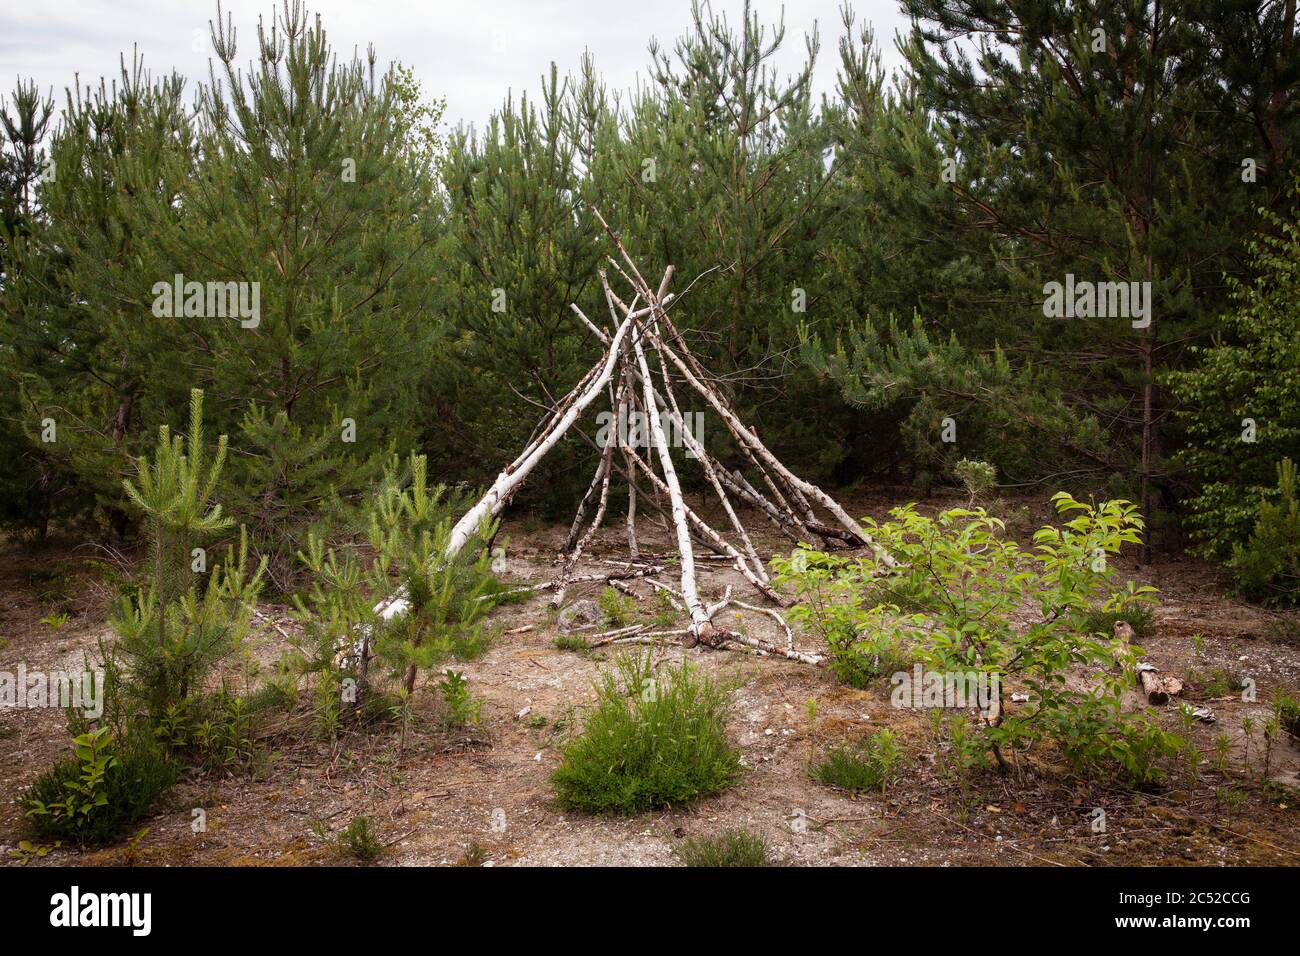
[1087,139]
[173,631]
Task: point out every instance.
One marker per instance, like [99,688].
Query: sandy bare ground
[486,799]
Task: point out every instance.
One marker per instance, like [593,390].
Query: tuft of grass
[1140,617]
[1216,682]
[650,742]
[358,839]
[475,855]
[566,642]
[1287,711]
[1229,797]
[870,764]
[737,847]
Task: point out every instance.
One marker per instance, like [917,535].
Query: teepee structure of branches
[645,363]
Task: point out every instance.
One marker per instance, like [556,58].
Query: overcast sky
[470,51]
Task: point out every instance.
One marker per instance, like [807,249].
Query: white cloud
[470,51]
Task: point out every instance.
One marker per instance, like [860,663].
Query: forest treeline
[1064,242]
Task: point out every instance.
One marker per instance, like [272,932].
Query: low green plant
[977,477]
[1267,566]
[28,851]
[567,642]
[462,707]
[86,792]
[959,750]
[1229,797]
[1222,751]
[56,621]
[1287,709]
[358,839]
[1216,682]
[737,847]
[650,742]
[974,586]
[618,608]
[213,732]
[103,788]
[868,764]
[835,603]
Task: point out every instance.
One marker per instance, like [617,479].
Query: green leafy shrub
[1094,738]
[213,732]
[462,707]
[869,764]
[974,586]
[834,598]
[1248,373]
[736,847]
[650,742]
[105,787]
[1287,710]
[1267,566]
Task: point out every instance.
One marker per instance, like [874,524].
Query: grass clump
[1216,682]
[870,764]
[651,742]
[736,847]
[1287,711]
[566,642]
[1141,617]
[358,839]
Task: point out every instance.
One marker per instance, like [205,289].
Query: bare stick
[701,626]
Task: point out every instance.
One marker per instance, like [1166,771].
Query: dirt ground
[486,800]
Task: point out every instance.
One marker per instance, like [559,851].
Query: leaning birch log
[713,540]
[701,626]
[509,480]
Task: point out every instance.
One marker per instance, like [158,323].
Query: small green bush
[1287,710]
[736,847]
[973,585]
[651,742]
[104,788]
[214,731]
[1267,566]
[462,708]
[834,604]
[360,839]
[977,477]
[870,764]
[617,608]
